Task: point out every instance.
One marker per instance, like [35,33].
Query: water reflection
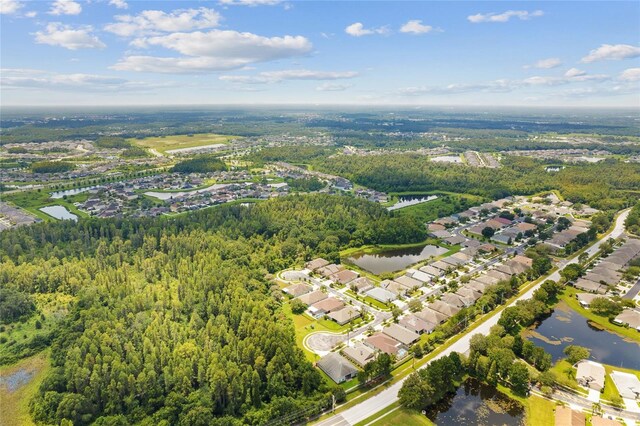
[475,403]
[395,260]
[567,327]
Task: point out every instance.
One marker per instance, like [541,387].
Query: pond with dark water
[396,259]
[567,327]
[476,403]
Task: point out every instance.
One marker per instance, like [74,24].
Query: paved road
[372,405]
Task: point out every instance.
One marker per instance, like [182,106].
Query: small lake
[394,260]
[475,403]
[59,212]
[411,200]
[69,192]
[567,327]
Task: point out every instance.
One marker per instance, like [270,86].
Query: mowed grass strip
[163,144]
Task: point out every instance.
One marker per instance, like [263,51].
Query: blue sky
[119,52]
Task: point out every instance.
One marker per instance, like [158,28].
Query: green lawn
[610,389]
[15,404]
[570,299]
[396,415]
[305,325]
[561,370]
[539,411]
[440,207]
[166,143]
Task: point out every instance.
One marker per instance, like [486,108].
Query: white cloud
[631,74]
[332,87]
[612,52]
[153,22]
[68,37]
[250,2]
[415,26]
[9,7]
[358,30]
[120,4]
[38,79]
[277,76]
[31,14]
[215,50]
[504,16]
[545,63]
[574,72]
[65,7]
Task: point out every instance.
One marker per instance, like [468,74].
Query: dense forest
[175,321]
[607,185]
[200,164]
[633,220]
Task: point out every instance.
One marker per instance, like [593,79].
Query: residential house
[384,343]
[394,287]
[630,317]
[590,374]
[444,308]
[381,295]
[296,290]
[628,384]
[316,264]
[362,284]
[423,277]
[409,283]
[359,353]
[565,416]
[311,298]
[429,315]
[585,299]
[401,334]
[325,306]
[590,286]
[329,270]
[344,276]
[434,272]
[344,315]
[416,324]
[337,367]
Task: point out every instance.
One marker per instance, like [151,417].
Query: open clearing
[19,384]
[162,144]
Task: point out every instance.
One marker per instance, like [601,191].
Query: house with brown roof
[329,270]
[601,421]
[361,284]
[345,276]
[394,287]
[325,306]
[384,343]
[311,298]
[316,264]
[565,416]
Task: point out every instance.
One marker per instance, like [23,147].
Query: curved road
[379,402]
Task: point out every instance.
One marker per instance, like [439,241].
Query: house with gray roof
[344,315]
[337,367]
[401,334]
[416,324]
[381,295]
[630,317]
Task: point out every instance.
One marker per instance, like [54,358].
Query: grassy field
[14,403]
[396,415]
[569,297]
[32,201]
[561,370]
[162,144]
[51,309]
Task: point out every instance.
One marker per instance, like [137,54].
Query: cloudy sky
[117,52]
